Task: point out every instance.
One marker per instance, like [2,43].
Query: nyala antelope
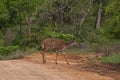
[58,45]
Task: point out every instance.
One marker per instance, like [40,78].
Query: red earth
[82,67]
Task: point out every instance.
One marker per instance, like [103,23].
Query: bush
[5,51]
[1,39]
[63,36]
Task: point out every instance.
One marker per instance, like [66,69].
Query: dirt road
[21,70]
[31,68]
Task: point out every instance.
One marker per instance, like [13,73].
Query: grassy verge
[113,59]
[17,54]
[77,51]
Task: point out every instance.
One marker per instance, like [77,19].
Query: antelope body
[56,44]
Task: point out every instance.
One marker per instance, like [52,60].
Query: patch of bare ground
[81,67]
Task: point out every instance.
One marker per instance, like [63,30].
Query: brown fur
[55,44]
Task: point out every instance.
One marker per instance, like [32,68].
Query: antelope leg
[56,57]
[43,57]
[66,58]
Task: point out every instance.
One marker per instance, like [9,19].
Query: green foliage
[3,10]
[7,50]
[63,36]
[29,6]
[43,14]
[23,41]
[19,40]
[114,59]
[1,39]
[112,19]
[1,42]
[1,57]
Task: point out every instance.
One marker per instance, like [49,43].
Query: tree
[3,14]
[99,14]
[112,19]
[28,7]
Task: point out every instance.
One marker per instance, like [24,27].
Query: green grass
[114,59]
[77,51]
[17,54]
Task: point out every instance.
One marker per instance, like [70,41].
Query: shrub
[63,36]
[7,50]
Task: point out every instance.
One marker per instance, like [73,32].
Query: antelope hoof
[44,61]
[55,62]
[68,63]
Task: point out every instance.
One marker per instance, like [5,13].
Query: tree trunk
[73,25]
[20,24]
[62,17]
[85,14]
[54,22]
[99,15]
[82,21]
[28,20]
[20,28]
[73,20]
[91,4]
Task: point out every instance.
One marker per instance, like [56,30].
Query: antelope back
[52,43]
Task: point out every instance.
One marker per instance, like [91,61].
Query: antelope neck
[67,46]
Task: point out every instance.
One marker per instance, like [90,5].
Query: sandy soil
[21,70]
[80,68]
[31,68]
